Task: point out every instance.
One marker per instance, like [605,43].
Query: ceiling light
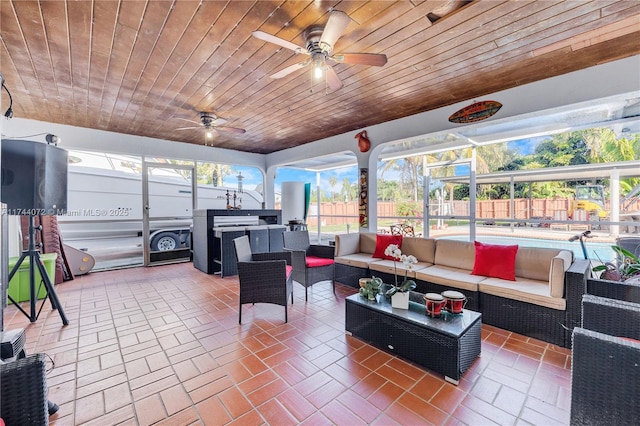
[52,139]
[318,68]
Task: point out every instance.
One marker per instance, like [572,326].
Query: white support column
[426,185]
[269,192]
[614,190]
[512,203]
[318,204]
[472,196]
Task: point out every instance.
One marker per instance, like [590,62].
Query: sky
[526,146]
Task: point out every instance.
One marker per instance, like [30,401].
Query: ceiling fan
[211,123]
[319,42]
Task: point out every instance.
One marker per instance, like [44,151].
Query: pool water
[595,251]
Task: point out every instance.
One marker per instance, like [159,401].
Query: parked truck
[106,202]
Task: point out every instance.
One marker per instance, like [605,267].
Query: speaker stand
[35,262]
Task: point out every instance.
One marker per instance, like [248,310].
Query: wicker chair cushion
[316,262]
[382,242]
[495,261]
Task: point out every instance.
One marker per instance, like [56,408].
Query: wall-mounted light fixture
[9,112]
[52,139]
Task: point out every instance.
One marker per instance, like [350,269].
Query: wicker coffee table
[447,345]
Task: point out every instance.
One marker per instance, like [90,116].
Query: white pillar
[472,196]
[292,201]
[614,190]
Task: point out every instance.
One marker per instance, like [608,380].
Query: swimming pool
[595,251]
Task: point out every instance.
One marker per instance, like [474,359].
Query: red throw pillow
[382,242]
[495,261]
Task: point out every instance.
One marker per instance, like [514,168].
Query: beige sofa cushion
[455,254]
[347,244]
[363,242]
[424,249]
[559,265]
[450,277]
[383,265]
[367,242]
[545,265]
[534,263]
[355,249]
[524,290]
[358,260]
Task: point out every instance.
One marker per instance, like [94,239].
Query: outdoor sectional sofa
[543,301]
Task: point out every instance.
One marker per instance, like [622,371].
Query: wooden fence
[334,213]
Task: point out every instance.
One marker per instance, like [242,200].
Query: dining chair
[264,277]
[312,263]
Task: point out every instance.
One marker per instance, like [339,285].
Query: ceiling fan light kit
[319,43]
[211,123]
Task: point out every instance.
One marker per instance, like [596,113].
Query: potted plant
[626,267]
[370,287]
[619,280]
[400,293]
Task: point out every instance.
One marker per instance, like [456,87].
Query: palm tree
[333,181]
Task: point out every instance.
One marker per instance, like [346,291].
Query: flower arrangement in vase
[400,293]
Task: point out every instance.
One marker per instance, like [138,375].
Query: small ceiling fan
[211,122]
[319,42]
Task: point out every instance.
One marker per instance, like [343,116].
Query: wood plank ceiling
[141,67]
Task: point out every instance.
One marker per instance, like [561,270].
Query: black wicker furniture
[605,368]
[447,345]
[543,302]
[620,290]
[263,277]
[23,391]
[312,263]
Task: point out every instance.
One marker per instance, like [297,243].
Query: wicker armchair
[23,391]
[264,277]
[311,263]
[605,369]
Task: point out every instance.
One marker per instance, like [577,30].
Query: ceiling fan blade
[188,128]
[190,121]
[230,129]
[375,59]
[219,121]
[333,81]
[288,70]
[336,25]
[279,41]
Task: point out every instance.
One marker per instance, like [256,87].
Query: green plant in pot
[405,286]
[371,288]
[626,267]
